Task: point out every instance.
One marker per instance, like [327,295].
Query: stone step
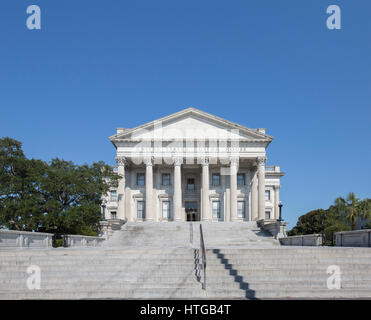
[189,266]
[159,276]
[364,279]
[72,268]
[305,286]
[13,284]
[89,260]
[185,294]
[95,252]
[157,261]
[283,259]
[211,259]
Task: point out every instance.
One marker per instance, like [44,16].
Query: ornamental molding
[205,161]
[261,161]
[148,161]
[178,161]
[121,161]
[234,161]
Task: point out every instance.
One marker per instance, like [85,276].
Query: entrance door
[191,211]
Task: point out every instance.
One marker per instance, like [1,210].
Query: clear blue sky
[98,65]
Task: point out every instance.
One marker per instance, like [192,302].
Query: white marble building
[193,165]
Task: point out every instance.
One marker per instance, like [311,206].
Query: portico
[215,172]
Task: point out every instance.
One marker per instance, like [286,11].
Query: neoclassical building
[192,165]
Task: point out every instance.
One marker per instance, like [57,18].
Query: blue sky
[98,65]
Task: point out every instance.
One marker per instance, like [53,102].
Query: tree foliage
[352,208]
[58,197]
[341,216]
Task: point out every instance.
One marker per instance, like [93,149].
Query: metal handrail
[203,251]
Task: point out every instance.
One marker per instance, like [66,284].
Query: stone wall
[303,240]
[83,241]
[24,239]
[356,238]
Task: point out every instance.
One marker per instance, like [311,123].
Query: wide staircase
[163,261]
[183,234]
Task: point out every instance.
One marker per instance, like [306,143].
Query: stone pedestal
[276,228]
[107,227]
[103,232]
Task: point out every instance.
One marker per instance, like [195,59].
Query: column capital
[234,160]
[178,161]
[277,187]
[261,161]
[121,161]
[205,161]
[148,161]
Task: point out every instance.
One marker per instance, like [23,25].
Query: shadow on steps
[249,293]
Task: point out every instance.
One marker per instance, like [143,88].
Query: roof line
[196,111]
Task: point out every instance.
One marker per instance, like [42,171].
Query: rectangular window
[267,195]
[215,179]
[241,179]
[216,209]
[191,184]
[113,215]
[267,215]
[113,195]
[166,209]
[140,210]
[141,179]
[166,179]
[241,209]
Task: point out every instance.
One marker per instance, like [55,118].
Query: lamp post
[280,206]
[104,212]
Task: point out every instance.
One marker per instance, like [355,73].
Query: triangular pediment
[191,123]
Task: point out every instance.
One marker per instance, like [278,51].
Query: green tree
[73,194]
[310,223]
[58,197]
[353,208]
[20,195]
[341,216]
[365,209]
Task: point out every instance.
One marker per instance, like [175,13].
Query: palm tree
[353,209]
[340,208]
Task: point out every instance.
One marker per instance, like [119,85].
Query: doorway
[191,211]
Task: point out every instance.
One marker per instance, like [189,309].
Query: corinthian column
[276,202]
[261,187]
[149,190]
[121,161]
[206,214]
[254,195]
[233,171]
[177,197]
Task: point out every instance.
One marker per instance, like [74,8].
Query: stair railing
[203,252]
